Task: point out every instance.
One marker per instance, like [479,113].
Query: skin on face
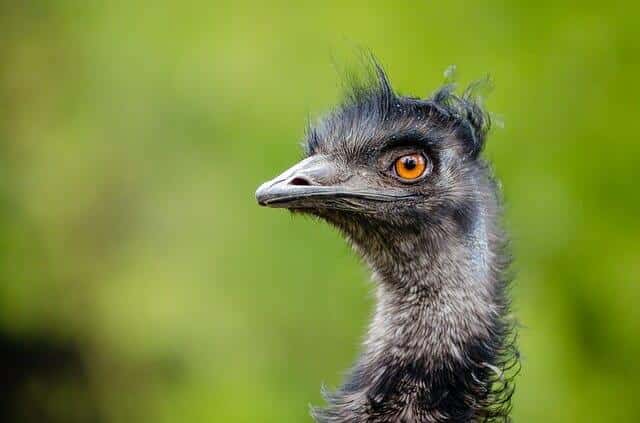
[400,171]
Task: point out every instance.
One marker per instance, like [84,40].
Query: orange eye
[411,166]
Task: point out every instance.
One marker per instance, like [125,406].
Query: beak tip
[263,193]
[260,196]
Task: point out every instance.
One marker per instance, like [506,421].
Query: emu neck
[436,340]
[433,298]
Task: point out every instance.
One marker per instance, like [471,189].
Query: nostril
[299,181]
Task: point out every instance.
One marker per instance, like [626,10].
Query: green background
[133,136]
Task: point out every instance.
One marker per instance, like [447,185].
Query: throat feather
[437,349]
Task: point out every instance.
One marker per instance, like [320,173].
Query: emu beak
[317,182]
[312,178]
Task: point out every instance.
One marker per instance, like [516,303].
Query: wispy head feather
[368,95]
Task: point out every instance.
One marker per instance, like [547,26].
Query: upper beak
[316,181]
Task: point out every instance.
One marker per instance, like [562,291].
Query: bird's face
[395,161]
[383,178]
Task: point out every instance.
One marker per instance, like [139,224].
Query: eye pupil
[410,163]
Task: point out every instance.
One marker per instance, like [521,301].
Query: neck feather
[438,348]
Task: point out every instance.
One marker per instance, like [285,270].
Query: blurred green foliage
[133,136]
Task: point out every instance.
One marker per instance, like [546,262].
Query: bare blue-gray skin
[440,347]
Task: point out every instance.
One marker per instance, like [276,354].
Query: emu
[402,178]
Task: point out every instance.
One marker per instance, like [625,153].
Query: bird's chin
[319,211]
[305,210]
[334,216]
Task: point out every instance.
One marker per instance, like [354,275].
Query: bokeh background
[139,281]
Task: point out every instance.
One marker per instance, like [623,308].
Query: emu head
[389,166]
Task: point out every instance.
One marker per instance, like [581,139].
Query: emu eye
[410,167]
